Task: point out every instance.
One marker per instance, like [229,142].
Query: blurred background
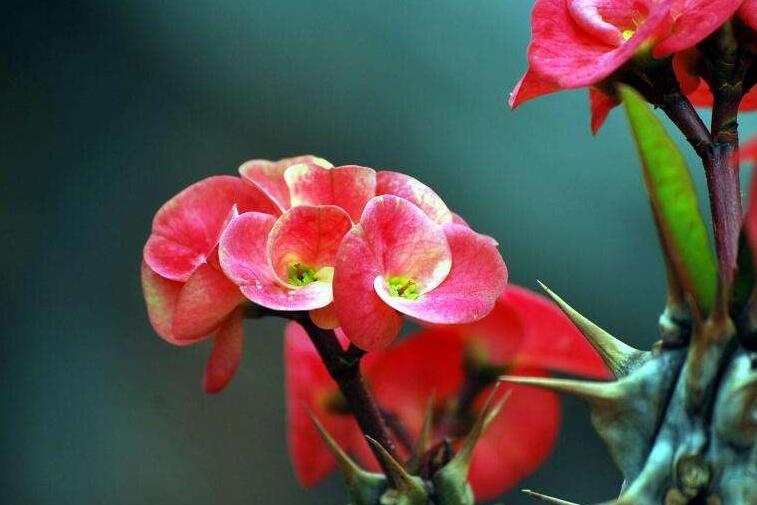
[109,108]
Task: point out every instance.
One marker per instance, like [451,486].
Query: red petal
[204,302]
[517,442]
[402,382]
[186,229]
[563,51]
[415,192]
[366,320]
[551,341]
[308,386]
[601,105]
[226,355]
[698,19]
[531,86]
[349,187]
[748,151]
[748,12]
[478,276]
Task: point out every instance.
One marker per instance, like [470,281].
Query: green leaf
[683,234]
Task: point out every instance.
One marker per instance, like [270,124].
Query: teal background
[109,108]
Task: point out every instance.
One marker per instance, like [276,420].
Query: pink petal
[268,177]
[160,297]
[698,19]
[308,236]
[204,302]
[309,387]
[226,355]
[243,252]
[517,442]
[563,51]
[589,16]
[186,229]
[349,187]
[531,86]
[601,105]
[366,320]
[551,340]
[414,191]
[748,12]
[406,242]
[477,278]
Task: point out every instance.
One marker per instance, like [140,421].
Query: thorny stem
[344,368]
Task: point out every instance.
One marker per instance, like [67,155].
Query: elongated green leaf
[683,234]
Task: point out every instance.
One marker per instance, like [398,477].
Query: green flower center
[403,287]
[300,275]
[627,34]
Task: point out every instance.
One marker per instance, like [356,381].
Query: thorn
[423,442]
[350,469]
[617,355]
[545,498]
[487,414]
[589,391]
[402,481]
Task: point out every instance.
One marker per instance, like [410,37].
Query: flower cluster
[596,43]
[456,367]
[352,247]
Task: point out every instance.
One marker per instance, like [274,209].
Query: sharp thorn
[545,498]
[589,391]
[487,414]
[402,481]
[617,355]
[350,469]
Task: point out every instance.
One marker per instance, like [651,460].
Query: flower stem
[719,154]
[344,368]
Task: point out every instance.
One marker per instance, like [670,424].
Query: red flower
[581,43]
[524,334]
[398,260]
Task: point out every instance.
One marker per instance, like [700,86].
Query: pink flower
[286,263]
[524,332]
[188,297]
[398,260]
[581,43]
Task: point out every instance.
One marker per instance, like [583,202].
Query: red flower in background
[524,334]
[581,43]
